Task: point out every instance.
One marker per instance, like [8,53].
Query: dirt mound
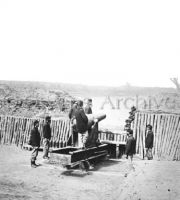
[31,100]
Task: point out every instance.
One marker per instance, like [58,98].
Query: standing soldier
[130,145]
[88,106]
[72,111]
[35,143]
[73,122]
[82,128]
[128,125]
[81,124]
[149,142]
[46,136]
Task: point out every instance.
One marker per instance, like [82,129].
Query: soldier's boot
[33,164]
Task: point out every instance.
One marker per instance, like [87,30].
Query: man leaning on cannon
[82,128]
[81,124]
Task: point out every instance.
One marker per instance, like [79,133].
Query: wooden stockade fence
[166,128]
[117,139]
[16,130]
[113,138]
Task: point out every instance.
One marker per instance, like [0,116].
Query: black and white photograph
[89,100]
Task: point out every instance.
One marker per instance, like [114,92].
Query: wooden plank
[155,133]
[146,121]
[163,126]
[158,134]
[173,131]
[141,134]
[169,117]
[170,136]
[138,135]
[113,142]
[59,133]
[12,129]
[175,138]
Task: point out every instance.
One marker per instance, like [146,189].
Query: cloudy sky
[90,42]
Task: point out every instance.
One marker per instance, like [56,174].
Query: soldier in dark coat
[127,125]
[81,124]
[72,111]
[34,141]
[149,142]
[82,128]
[73,121]
[88,110]
[130,145]
[88,106]
[46,136]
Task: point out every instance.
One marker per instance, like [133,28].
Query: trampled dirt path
[111,179]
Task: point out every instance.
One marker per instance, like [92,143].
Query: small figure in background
[130,145]
[127,125]
[130,118]
[149,142]
[73,122]
[46,136]
[73,110]
[88,106]
[34,141]
[132,113]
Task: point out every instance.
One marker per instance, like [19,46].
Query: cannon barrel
[93,117]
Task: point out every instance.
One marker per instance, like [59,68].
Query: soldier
[81,124]
[130,145]
[149,142]
[73,122]
[88,106]
[82,128]
[127,125]
[35,143]
[73,110]
[46,136]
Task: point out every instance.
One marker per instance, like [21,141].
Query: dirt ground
[109,180]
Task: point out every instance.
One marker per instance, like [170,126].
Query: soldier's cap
[149,126]
[131,118]
[36,122]
[130,131]
[133,108]
[127,120]
[80,103]
[48,118]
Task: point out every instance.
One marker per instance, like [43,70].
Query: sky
[95,42]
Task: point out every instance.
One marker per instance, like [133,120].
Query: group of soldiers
[35,139]
[131,142]
[130,118]
[79,120]
[77,115]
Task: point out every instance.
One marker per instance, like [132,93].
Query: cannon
[73,155]
[69,157]
[93,120]
[93,117]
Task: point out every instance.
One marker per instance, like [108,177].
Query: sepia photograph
[89,100]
